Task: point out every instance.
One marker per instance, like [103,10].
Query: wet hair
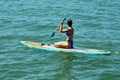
[69,22]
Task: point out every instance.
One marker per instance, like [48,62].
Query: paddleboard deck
[52,48]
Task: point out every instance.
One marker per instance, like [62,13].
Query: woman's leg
[61,44]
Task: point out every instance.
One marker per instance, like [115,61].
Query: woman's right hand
[61,22]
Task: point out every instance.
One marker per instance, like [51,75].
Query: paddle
[57,28]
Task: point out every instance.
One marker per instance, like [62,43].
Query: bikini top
[68,34]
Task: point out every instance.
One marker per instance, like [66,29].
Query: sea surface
[97,26]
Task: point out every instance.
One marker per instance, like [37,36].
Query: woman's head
[69,22]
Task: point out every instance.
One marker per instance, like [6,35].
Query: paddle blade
[52,34]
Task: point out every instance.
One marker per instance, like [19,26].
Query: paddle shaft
[57,27]
[59,24]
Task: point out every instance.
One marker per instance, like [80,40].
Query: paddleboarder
[68,44]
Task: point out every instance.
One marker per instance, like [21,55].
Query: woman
[69,36]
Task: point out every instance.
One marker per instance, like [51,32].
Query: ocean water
[97,26]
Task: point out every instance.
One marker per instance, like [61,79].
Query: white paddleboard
[52,48]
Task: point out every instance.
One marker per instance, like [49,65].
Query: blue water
[97,26]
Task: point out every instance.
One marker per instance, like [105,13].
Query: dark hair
[69,22]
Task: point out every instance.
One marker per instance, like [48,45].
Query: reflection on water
[65,66]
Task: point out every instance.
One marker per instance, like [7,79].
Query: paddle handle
[59,24]
[57,28]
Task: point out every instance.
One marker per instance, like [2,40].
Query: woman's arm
[61,28]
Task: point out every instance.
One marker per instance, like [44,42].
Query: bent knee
[56,45]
